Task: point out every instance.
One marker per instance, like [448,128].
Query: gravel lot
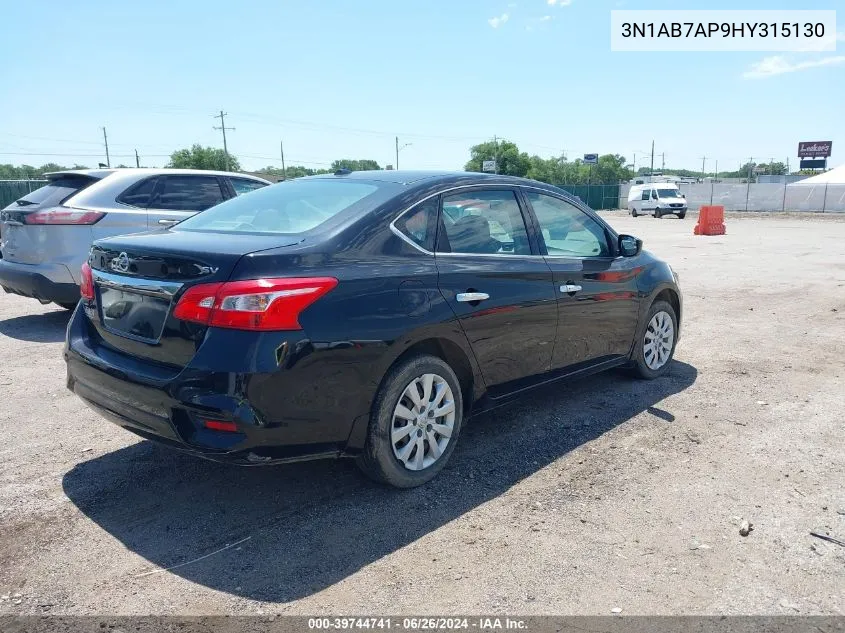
[599,494]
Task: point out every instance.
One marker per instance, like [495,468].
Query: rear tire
[658,214]
[406,420]
[655,346]
[633,213]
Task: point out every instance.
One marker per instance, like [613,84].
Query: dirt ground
[594,495]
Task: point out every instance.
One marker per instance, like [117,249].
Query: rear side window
[242,185]
[56,192]
[646,193]
[295,206]
[139,194]
[419,224]
[188,193]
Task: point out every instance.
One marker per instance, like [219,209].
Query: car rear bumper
[45,282]
[169,406]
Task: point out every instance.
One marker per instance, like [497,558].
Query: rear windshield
[288,207]
[59,190]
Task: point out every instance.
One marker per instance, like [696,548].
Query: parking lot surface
[584,497]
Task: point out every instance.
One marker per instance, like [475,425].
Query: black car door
[500,289]
[596,289]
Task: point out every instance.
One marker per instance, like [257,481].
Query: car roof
[456,178]
[411,177]
[147,171]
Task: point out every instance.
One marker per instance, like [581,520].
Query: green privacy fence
[11,190]
[596,196]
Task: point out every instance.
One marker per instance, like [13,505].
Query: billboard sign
[815,149]
[813,163]
[489,166]
[591,159]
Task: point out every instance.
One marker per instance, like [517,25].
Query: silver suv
[45,236]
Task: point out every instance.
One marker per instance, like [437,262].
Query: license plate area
[133,315]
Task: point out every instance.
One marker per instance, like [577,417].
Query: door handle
[469,297]
[570,288]
[167,222]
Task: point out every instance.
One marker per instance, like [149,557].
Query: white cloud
[779,65]
[546,18]
[498,21]
[560,3]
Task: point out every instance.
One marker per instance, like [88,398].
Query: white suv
[45,236]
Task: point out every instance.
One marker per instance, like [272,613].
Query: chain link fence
[11,190]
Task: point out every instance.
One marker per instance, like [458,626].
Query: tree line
[611,168]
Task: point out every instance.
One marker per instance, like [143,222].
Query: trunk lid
[138,279]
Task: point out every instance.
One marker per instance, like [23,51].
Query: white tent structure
[835,176]
[825,192]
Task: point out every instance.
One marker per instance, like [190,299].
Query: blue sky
[339,79]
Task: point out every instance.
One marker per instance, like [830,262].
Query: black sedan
[361,314]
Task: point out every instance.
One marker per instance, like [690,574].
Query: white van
[657,199]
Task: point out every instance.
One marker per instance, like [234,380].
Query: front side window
[419,224]
[188,193]
[294,206]
[566,229]
[484,223]
[242,185]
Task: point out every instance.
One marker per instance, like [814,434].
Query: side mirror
[629,246]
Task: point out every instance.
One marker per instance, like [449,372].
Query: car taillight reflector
[219,425]
[255,304]
[63,216]
[86,288]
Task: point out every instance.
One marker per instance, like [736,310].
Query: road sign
[591,159]
[489,166]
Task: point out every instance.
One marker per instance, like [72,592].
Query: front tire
[656,341]
[681,216]
[633,213]
[658,214]
[415,423]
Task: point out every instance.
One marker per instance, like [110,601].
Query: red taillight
[63,216]
[256,304]
[86,288]
[219,425]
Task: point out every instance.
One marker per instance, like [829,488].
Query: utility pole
[652,159]
[703,160]
[282,150]
[635,163]
[137,160]
[717,169]
[496,157]
[663,164]
[223,128]
[750,167]
[397,152]
[106,141]
[787,165]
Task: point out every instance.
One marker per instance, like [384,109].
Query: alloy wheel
[423,421]
[659,339]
